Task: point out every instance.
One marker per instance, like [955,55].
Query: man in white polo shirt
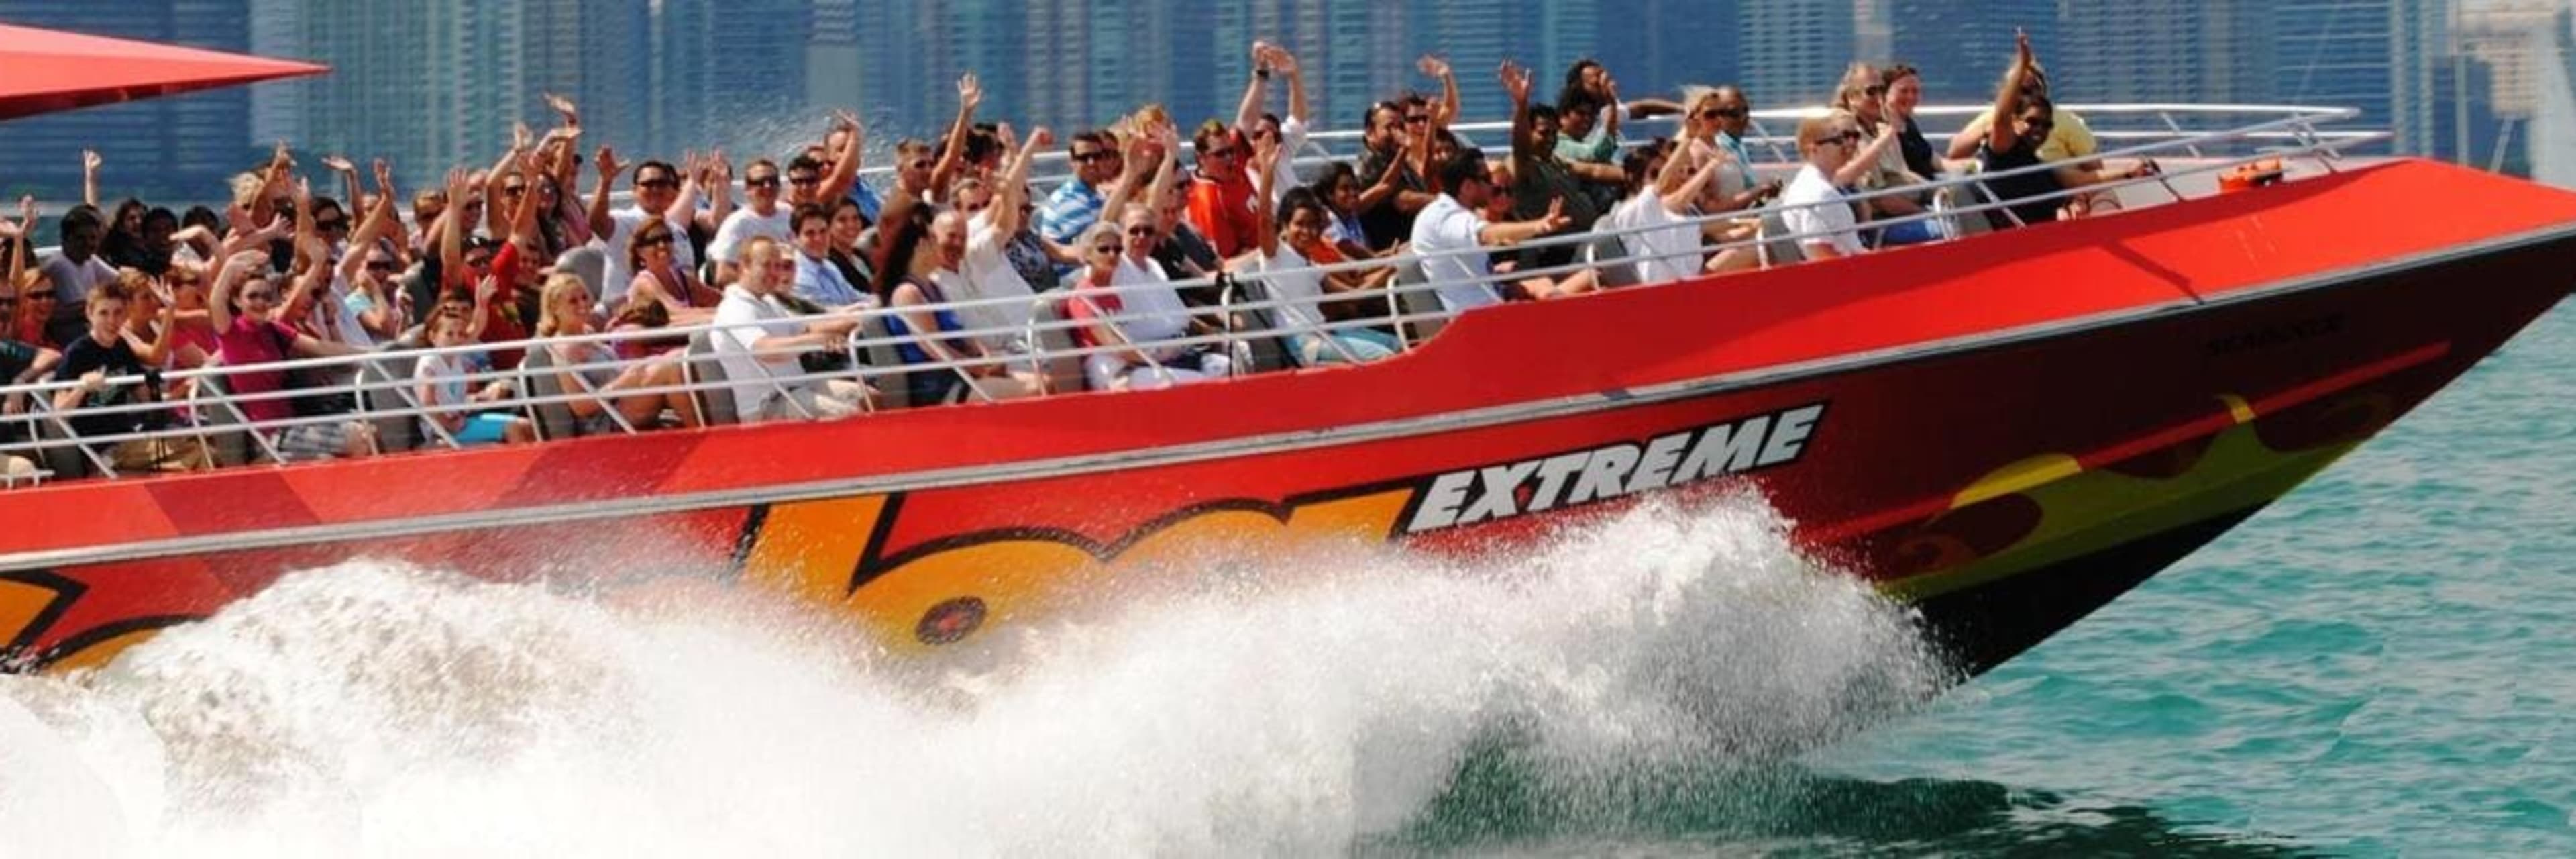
[1452,239]
[758,341]
[1811,207]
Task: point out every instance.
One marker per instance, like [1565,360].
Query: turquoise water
[2384,662]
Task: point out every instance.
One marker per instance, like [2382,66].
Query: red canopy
[42,71]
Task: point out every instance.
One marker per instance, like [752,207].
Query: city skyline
[434,83]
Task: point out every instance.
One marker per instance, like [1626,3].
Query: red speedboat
[2007,431]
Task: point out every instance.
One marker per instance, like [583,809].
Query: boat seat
[1608,257]
[219,424]
[1258,329]
[1777,250]
[1418,301]
[588,263]
[65,460]
[1055,345]
[708,383]
[554,420]
[387,407]
[894,390]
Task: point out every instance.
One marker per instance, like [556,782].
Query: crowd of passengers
[1137,248]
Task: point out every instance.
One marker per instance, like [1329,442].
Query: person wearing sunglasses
[1722,115]
[1819,219]
[21,362]
[2016,144]
[664,193]
[762,214]
[1880,164]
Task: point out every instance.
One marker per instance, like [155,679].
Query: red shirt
[501,317]
[1222,210]
[251,342]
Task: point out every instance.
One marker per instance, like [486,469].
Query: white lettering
[1606,474]
[1655,469]
[1440,503]
[1724,449]
[1500,485]
[1789,436]
[1551,479]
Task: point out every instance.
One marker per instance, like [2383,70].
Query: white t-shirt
[618,275]
[742,319]
[351,330]
[743,224]
[1149,309]
[73,281]
[987,273]
[444,377]
[1464,278]
[1297,286]
[1665,249]
[1828,222]
[1283,175]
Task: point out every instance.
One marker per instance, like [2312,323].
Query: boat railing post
[2194,148]
[224,400]
[605,404]
[71,436]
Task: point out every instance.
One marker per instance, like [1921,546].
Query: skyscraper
[1961,48]
[1794,51]
[2202,51]
[2376,55]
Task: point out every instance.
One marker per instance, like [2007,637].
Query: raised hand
[1516,81]
[2022,55]
[563,106]
[970,92]
[1009,139]
[608,164]
[1282,61]
[90,162]
[384,177]
[281,159]
[1042,138]
[27,212]
[338,164]
[520,137]
[843,119]
[1432,65]
[1556,219]
[457,182]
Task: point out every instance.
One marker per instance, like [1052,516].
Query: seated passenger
[759,341]
[1450,236]
[2033,197]
[1812,207]
[1665,183]
[245,308]
[927,333]
[1292,278]
[1145,312]
[661,279]
[101,354]
[594,377]
[443,392]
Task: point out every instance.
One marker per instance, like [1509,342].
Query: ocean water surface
[2383,663]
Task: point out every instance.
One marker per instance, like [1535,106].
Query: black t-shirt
[1385,223]
[2007,189]
[116,359]
[15,357]
[1918,151]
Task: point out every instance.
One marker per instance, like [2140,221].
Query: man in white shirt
[761,215]
[1812,208]
[970,237]
[75,270]
[660,192]
[1452,240]
[757,340]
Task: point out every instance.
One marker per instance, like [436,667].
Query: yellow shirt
[2069,139]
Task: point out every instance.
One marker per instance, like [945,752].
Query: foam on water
[376,709]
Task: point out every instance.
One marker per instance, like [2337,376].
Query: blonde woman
[565,312]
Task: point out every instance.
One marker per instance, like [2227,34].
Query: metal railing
[1038,336]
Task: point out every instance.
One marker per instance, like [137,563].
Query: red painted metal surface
[44,71]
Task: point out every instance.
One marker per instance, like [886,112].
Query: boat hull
[2008,454]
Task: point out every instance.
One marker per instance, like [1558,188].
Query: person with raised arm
[244,306]
[365,288]
[2016,138]
[1542,181]
[1454,241]
[1668,177]
[971,238]
[1270,60]
[1813,207]
[925,329]
[448,401]
[664,194]
[467,269]
[844,144]
[952,153]
[1722,116]
[1293,281]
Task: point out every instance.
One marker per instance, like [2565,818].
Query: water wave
[1323,702]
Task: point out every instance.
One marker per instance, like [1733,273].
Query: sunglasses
[1723,113]
[1140,232]
[513,190]
[782,265]
[40,295]
[334,225]
[260,295]
[657,183]
[1088,157]
[1105,250]
[1873,90]
[1847,138]
[380,266]
[918,164]
[802,181]
[478,262]
[761,182]
[1220,152]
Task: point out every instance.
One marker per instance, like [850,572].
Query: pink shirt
[251,342]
